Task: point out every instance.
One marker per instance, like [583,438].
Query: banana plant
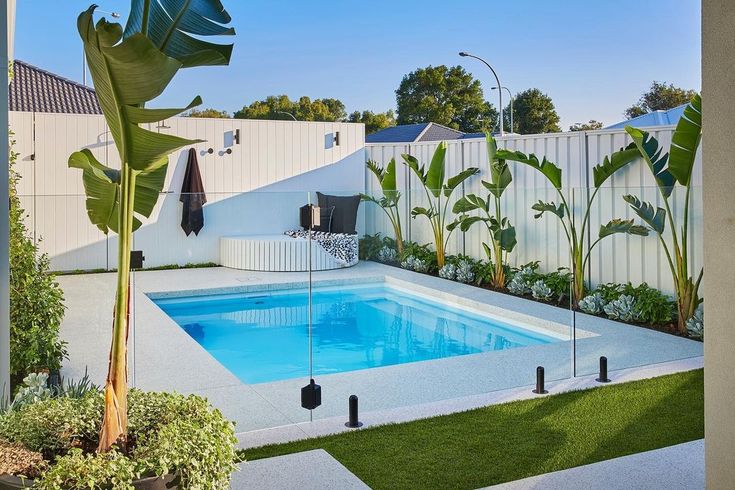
[130,68]
[437,189]
[669,169]
[391,196]
[502,233]
[580,244]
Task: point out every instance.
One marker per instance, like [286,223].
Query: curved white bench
[275,253]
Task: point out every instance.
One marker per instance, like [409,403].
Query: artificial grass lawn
[519,439]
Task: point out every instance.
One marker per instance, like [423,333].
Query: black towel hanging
[192,197]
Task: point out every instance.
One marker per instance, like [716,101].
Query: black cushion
[344,217]
[325,219]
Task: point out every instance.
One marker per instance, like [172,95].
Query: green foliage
[388,202]
[373,121]
[280,106]
[668,169]
[660,97]
[439,190]
[588,126]
[447,96]
[36,300]
[209,113]
[169,433]
[534,113]
[651,306]
[371,245]
[81,471]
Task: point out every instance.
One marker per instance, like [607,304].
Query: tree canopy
[444,95]
[305,109]
[588,126]
[209,112]
[373,121]
[660,97]
[534,113]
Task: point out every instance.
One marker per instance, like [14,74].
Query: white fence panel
[615,259]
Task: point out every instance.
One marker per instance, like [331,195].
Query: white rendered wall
[257,188]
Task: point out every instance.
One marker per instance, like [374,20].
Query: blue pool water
[263,337]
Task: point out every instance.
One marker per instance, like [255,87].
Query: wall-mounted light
[237,136]
[336,138]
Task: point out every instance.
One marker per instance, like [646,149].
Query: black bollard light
[540,381]
[353,422]
[603,371]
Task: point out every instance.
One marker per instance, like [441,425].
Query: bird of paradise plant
[502,233]
[576,233]
[129,68]
[391,196]
[670,169]
[437,189]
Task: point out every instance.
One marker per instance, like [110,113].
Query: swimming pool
[262,337]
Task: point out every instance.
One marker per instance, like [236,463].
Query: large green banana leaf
[126,75]
[613,163]
[547,168]
[685,141]
[500,176]
[651,151]
[654,217]
[622,226]
[102,187]
[435,173]
[172,25]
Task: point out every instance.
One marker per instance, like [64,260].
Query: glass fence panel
[629,312]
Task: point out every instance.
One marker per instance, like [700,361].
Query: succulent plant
[593,304]
[449,271]
[464,271]
[622,309]
[414,264]
[695,325]
[387,254]
[35,388]
[519,284]
[540,290]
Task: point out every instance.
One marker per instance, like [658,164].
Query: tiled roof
[437,132]
[37,90]
[411,133]
[406,133]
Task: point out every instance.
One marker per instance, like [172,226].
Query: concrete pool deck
[164,357]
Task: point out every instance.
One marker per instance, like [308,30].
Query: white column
[4,211]
[718,170]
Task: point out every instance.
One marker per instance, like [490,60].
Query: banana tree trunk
[399,237]
[686,303]
[115,421]
[577,281]
[498,279]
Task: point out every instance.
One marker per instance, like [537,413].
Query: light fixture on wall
[336,138]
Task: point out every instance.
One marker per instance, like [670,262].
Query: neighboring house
[37,90]
[655,118]
[413,133]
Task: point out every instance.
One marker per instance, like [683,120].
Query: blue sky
[594,58]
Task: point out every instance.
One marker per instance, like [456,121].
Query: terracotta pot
[9,482]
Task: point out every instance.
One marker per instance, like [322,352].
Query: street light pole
[512,128]
[500,91]
[286,113]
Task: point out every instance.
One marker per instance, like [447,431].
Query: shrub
[36,300]
[623,309]
[695,325]
[593,304]
[168,433]
[651,305]
[541,291]
[559,282]
[388,255]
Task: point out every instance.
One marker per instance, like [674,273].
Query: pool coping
[164,357]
